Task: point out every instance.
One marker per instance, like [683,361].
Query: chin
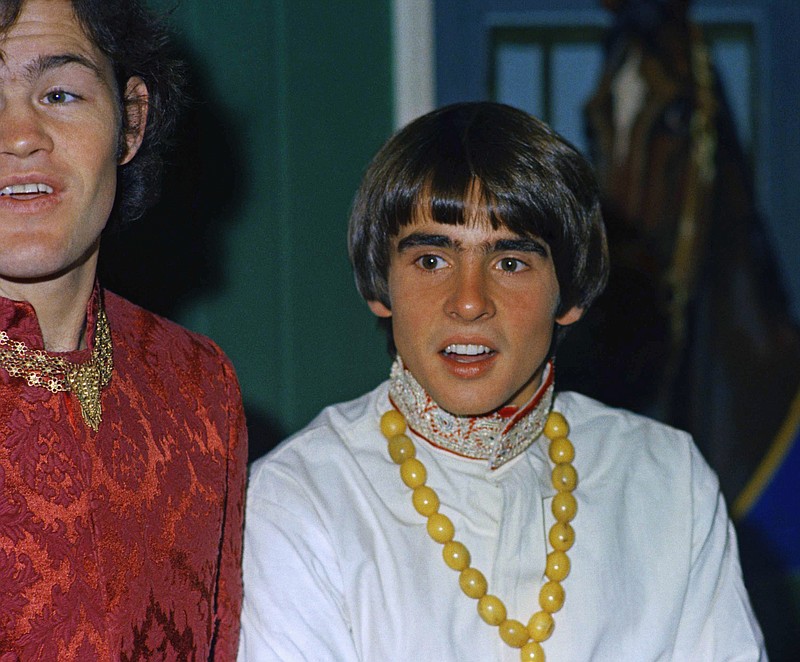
[31,270]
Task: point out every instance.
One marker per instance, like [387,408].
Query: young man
[122,441]
[519,522]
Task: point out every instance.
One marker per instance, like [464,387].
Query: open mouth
[460,352]
[25,191]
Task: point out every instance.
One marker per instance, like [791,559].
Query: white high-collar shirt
[338,565]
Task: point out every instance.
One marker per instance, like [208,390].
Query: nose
[470,298]
[22,131]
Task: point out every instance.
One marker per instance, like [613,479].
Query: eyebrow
[518,245]
[44,63]
[424,239]
[521,245]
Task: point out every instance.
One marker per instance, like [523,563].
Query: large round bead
[541,626]
[392,423]
[456,555]
[413,473]
[401,448]
[440,528]
[425,500]
[532,652]
[557,566]
[564,477]
[556,426]
[551,597]
[561,450]
[562,536]
[514,633]
[564,506]
[473,583]
[491,609]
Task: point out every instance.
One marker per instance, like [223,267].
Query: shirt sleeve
[293,610]
[717,621]
[229,595]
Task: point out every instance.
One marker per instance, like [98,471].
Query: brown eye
[431,262]
[511,265]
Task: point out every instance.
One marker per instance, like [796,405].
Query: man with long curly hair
[122,438]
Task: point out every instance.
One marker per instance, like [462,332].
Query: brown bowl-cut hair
[522,175]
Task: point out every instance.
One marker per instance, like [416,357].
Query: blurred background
[291,98]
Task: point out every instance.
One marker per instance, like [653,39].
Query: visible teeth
[19,189]
[469,350]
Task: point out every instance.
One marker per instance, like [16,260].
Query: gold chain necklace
[85,380]
[471,580]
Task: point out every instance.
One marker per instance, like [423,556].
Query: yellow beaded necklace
[471,580]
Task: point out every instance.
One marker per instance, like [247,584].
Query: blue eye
[56,97]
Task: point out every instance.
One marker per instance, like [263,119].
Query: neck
[492,437]
[60,305]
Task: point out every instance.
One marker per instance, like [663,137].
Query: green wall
[291,99]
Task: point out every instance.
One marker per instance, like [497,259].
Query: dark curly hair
[136,42]
[530,180]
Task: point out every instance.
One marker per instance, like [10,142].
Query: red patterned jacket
[123,544]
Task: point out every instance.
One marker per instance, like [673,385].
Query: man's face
[59,127]
[472,312]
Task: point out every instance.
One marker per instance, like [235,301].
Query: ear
[135,105]
[570,317]
[379,309]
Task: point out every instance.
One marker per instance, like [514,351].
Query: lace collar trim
[494,437]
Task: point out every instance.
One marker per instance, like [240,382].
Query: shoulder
[335,445]
[639,471]
[172,377]
[137,331]
[586,414]
[609,437]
